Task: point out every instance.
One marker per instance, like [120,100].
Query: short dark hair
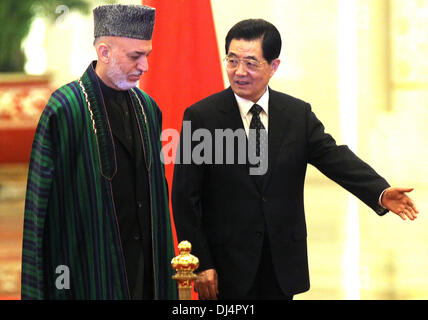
[253,29]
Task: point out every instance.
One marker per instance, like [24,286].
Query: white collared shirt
[245,106]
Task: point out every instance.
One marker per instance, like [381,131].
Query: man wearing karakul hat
[97,222]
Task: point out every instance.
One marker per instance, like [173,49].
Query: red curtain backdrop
[184,66]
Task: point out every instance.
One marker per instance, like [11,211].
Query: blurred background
[363,66]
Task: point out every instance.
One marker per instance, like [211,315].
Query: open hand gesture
[397,201]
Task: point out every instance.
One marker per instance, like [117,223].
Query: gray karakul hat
[131,21]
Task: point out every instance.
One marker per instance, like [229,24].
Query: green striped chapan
[70,227]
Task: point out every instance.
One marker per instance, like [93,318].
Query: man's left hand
[397,201]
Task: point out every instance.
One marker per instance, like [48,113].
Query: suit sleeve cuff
[381,210]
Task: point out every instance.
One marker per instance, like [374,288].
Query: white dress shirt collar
[245,105]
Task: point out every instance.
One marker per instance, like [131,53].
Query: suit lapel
[277,133]
[231,119]
[229,111]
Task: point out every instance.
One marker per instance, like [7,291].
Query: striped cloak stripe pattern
[71,241]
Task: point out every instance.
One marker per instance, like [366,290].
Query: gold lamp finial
[184,264]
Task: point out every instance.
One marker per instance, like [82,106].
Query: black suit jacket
[225,214]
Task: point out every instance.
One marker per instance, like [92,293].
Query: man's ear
[274,66]
[104,52]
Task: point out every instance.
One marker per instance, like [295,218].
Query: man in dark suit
[249,230]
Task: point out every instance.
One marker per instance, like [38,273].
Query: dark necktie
[257,127]
[256,124]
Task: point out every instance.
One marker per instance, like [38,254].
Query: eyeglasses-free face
[248,72]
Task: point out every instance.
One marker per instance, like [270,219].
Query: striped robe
[71,242]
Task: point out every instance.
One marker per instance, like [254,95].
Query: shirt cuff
[380,199]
